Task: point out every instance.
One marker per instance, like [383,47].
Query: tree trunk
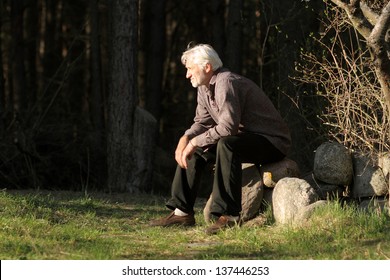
[234,36]
[144,131]
[379,42]
[155,48]
[373,27]
[76,82]
[2,86]
[121,159]
[31,51]
[52,53]
[217,19]
[17,56]
[96,104]
[96,100]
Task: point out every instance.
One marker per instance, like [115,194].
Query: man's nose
[188,75]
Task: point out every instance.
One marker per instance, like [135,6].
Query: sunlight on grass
[65,225]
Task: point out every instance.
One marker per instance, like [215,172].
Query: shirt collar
[214,77]
[213,80]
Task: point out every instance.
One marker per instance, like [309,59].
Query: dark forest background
[60,100]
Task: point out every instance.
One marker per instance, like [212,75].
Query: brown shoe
[222,223]
[173,220]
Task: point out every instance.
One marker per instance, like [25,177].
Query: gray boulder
[290,196]
[305,213]
[333,164]
[377,205]
[254,179]
[384,164]
[252,192]
[271,173]
[369,180]
[325,191]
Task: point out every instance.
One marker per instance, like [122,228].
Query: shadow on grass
[108,206]
[119,222]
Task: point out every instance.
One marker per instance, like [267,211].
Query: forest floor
[74,226]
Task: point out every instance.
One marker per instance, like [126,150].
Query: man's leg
[186,183]
[185,187]
[231,152]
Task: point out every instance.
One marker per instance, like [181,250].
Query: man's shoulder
[225,77]
[225,74]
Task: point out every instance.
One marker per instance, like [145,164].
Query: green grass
[68,225]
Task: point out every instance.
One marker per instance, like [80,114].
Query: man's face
[196,75]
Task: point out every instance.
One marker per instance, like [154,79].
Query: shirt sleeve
[202,120]
[202,123]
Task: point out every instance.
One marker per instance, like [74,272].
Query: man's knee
[227,142]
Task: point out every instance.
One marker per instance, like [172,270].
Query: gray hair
[201,55]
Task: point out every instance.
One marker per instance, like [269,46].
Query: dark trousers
[227,154]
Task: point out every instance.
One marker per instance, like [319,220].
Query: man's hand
[184,150]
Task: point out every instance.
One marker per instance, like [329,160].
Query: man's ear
[208,68]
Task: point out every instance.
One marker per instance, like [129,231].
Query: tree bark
[379,42]
[121,159]
[217,19]
[76,81]
[96,100]
[374,29]
[31,51]
[234,36]
[155,48]
[51,59]
[145,131]
[2,86]
[17,57]
[96,104]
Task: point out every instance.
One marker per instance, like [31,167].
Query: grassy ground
[67,225]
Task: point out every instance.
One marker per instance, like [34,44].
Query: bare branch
[356,15]
[369,13]
[375,29]
[341,4]
[350,82]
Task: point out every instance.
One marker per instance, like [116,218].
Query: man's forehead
[190,64]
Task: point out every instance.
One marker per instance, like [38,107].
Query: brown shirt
[233,104]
